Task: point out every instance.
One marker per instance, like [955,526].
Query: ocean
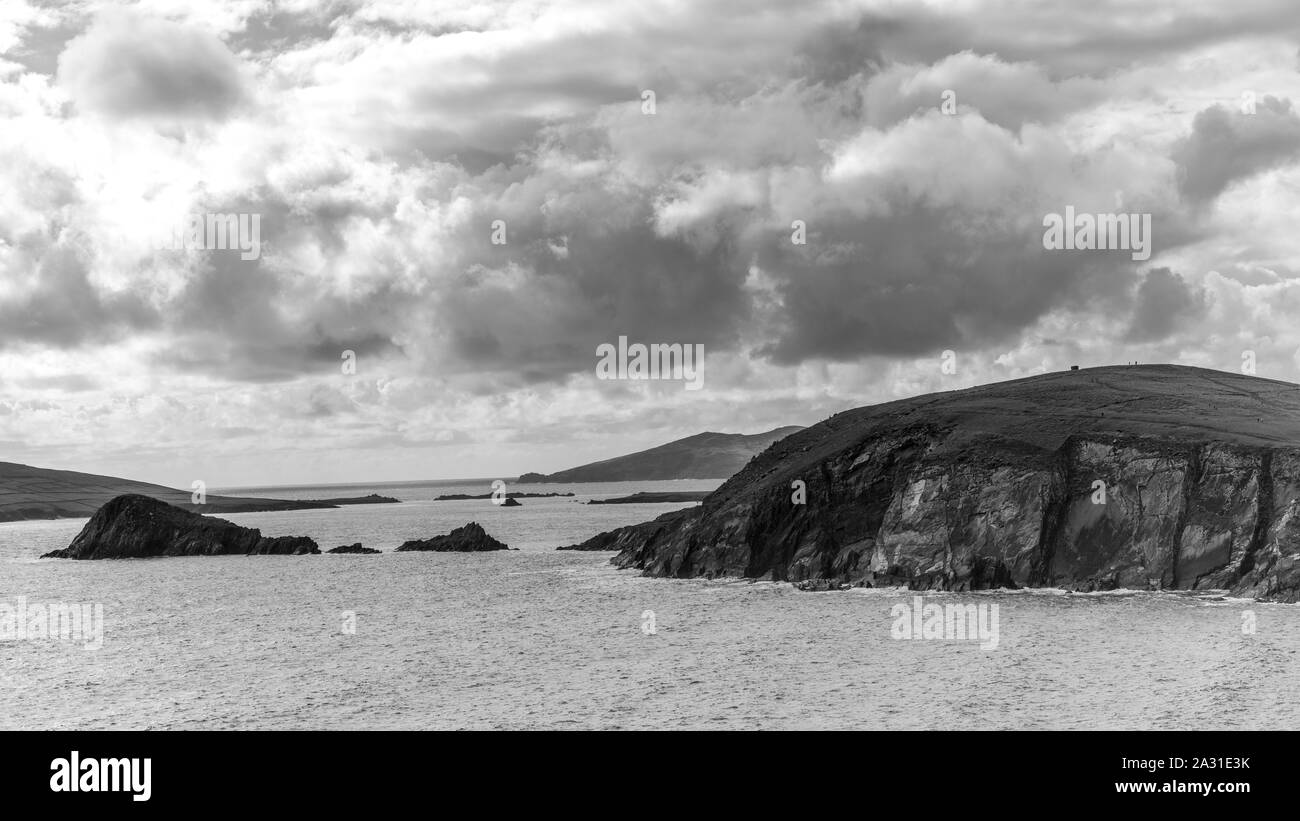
[540,639]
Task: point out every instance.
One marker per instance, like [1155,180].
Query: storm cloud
[471,199]
[1226,146]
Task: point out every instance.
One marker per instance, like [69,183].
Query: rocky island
[369,499]
[138,527]
[654,497]
[1141,477]
[352,548]
[470,538]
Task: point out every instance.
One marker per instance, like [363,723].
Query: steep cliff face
[137,527]
[1146,477]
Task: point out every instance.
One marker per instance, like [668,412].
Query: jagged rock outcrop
[136,527]
[1143,477]
[470,538]
[626,537]
[352,548]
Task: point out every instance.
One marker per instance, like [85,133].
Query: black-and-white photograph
[616,366]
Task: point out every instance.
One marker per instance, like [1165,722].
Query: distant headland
[703,456]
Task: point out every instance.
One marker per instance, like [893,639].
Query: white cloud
[379,140]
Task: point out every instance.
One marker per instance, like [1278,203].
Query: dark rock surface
[627,537]
[998,486]
[134,526]
[511,502]
[371,499]
[607,540]
[658,497]
[470,538]
[352,548]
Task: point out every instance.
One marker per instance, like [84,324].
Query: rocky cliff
[1146,477]
[137,527]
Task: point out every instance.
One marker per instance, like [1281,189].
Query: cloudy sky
[379,141]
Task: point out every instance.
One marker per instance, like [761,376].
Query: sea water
[537,638]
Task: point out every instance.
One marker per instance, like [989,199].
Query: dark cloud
[1164,304]
[615,277]
[276,30]
[259,320]
[242,320]
[658,241]
[128,66]
[1092,39]
[62,308]
[266,361]
[41,46]
[1229,145]
[913,283]
[838,52]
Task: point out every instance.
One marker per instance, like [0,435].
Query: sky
[650,164]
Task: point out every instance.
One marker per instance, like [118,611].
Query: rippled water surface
[536,638]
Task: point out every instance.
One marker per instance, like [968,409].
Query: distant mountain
[703,456]
[40,493]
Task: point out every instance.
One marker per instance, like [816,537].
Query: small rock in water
[352,548]
[821,585]
[468,539]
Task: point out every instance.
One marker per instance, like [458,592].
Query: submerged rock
[1142,477]
[470,538]
[352,548]
[135,527]
[821,585]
